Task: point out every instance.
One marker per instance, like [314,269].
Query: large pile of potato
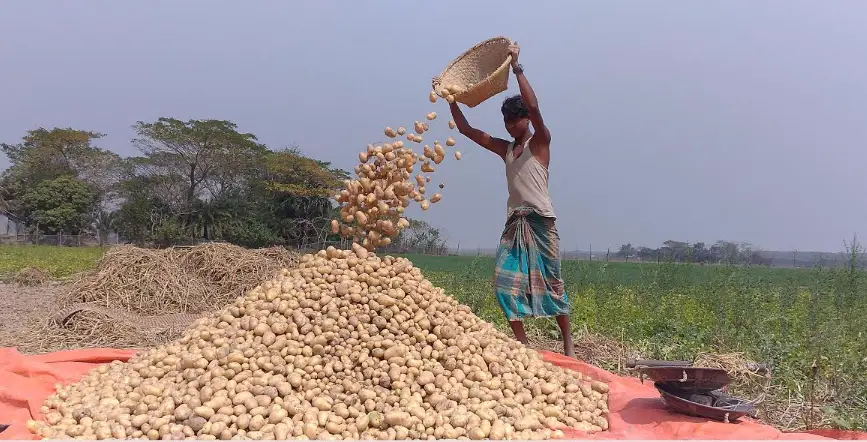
[347,346]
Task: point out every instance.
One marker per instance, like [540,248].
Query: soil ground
[20,304]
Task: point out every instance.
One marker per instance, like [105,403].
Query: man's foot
[518,331]
[566,332]
[569,350]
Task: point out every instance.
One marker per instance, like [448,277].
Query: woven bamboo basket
[481,72]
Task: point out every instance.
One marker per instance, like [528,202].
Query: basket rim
[436,83]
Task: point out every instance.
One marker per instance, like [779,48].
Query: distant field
[788,318]
[59,262]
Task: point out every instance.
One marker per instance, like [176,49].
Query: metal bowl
[716,405]
[693,379]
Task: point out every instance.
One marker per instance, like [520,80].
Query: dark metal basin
[714,405]
[688,378]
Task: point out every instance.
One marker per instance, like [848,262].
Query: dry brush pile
[30,277]
[347,345]
[139,297]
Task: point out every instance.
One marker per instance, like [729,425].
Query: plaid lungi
[527,278]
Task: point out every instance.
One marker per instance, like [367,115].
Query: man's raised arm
[528,96]
[480,137]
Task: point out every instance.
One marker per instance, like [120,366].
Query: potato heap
[347,346]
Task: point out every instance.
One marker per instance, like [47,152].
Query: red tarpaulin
[636,411]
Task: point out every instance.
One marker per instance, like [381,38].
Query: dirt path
[18,305]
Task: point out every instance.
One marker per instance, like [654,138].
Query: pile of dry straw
[30,277]
[138,298]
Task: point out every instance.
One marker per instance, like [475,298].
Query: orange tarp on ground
[637,412]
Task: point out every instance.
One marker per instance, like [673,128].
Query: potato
[439,150]
[452,124]
[432,97]
[431,116]
[450,142]
[450,98]
[457,155]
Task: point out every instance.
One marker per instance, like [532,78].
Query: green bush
[251,235]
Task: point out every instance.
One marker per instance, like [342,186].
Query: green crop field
[58,262]
[808,324]
[788,318]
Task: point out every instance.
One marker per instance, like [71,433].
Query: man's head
[515,116]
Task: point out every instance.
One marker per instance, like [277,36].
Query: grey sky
[688,120]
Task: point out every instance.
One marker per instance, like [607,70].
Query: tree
[646,253]
[674,250]
[297,191]
[700,253]
[142,211]
[626,250]
[420,237]
[45,155]
[195,159]
[59,205]
[726,251]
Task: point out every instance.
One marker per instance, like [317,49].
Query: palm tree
[103,222]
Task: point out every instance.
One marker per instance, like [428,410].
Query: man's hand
[514,50]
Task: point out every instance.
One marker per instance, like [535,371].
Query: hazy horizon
[670,120]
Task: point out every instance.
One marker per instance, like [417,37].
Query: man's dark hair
[513,107]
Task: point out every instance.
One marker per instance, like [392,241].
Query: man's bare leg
[566,332]
[518,331]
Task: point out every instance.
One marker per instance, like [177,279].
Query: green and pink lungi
[527,278]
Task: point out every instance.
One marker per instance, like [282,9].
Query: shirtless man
[527,279]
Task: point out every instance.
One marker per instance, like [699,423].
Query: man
[527,278]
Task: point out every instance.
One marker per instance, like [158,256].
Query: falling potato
[432,97]
[457,155]
[435,198]
[432,116]
[401,131]
[450,142]
[438,150]
[389,132]
[442,185]
[450,99]
[452,124]
[425,205]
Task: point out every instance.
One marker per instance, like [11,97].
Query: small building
[10,225]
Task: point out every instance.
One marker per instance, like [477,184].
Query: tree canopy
[192,180]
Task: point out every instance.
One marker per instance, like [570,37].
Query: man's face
[517,127]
